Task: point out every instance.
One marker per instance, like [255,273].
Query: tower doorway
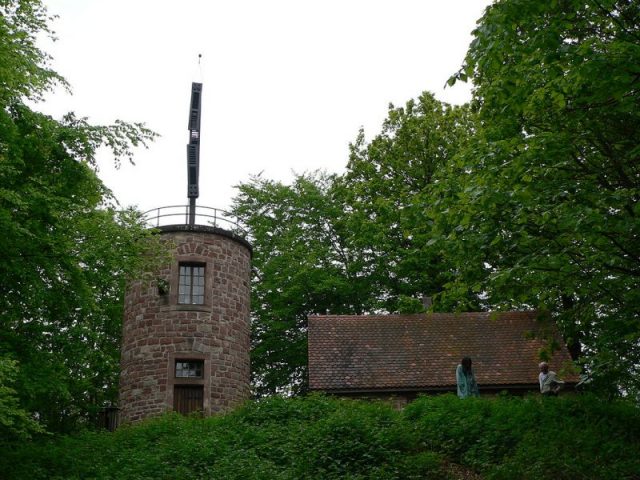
[188,399]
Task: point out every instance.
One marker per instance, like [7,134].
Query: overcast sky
[286,84]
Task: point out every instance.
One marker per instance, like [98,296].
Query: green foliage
[303,264]
[390,185]
[65,250]
[14,420]
[275,438]
[534,437]
[24,68]
[542,209]
[323,438]
[350,244]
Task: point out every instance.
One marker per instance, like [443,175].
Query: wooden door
[188,398]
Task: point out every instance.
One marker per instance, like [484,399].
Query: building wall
[157,330]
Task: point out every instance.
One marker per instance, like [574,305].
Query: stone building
[186,332]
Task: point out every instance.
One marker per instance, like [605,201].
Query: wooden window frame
[191,295]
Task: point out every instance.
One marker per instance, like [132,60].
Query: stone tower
[185,344]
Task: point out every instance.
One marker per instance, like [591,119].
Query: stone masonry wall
[157,330]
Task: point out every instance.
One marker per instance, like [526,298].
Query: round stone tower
[185,344]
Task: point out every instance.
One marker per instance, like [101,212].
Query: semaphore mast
[193,150]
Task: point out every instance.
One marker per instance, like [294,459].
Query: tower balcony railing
[204,216]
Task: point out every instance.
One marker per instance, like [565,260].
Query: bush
[322,438]
[533,437]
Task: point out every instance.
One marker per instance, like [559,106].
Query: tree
[346,244]
[302,265]
[65,250]
[390,184]
[15,421]
[545,206]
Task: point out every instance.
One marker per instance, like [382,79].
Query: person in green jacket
[466,380]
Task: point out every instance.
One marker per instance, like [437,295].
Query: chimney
[426,302]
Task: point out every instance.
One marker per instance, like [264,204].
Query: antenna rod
[193,150]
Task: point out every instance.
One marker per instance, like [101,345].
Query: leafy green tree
[15,421]
[542,211]
[390,185]
[347,244]
[303,264]
[64,250]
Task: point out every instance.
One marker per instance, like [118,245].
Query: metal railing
[205,216]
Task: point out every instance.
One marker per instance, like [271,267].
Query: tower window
[189,368]
[191,284]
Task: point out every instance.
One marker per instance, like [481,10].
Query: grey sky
[287,84]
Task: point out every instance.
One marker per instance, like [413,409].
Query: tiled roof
[370,352]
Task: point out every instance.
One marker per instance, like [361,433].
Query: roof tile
[368,352]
